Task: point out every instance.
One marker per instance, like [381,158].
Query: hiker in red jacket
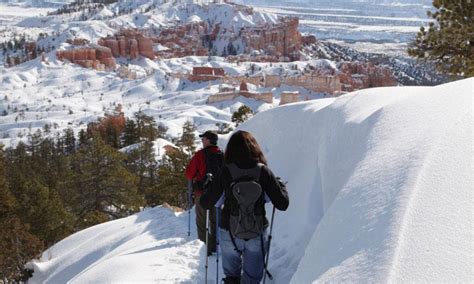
[207,160]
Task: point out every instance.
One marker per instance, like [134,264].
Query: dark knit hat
[211,135]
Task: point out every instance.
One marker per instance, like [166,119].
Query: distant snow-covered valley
[368,26]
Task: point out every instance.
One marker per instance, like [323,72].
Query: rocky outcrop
[206,74]
[185,40]
[348,77]
[317,83]
[282,40]
[208,71]
[244,92]
[130,44]
[99,58]
[289,97]
[78,41]
[308,39]
[221,97]
[145,47]
[362,75]
[244,87]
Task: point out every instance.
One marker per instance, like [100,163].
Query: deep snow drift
[380,185]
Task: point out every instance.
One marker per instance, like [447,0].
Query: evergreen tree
[171,186]
[17,244]
[242,114]
[449,41]
[142,163]
[7,201]
[42,208]
[104,188]
[83,137]
[18,166]
[224,128]
[69,141]
[33,182]
[187,139]
[130,134]
[147,129]
[112,135]
[171,180]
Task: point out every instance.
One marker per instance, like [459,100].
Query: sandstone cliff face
[289,97]
[99,58]
[129,43]
[206,74]
[361,75]
[185,40]
[349,77]
[227,96]
[282,40]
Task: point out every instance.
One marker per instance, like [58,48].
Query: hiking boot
[209,253]
[231,280]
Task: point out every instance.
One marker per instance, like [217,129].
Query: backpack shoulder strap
[206,153]
[237,172]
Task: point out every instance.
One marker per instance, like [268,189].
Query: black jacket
[275,190]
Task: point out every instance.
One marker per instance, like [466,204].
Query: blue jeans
[251,257]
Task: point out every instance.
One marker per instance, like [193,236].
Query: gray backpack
[247,214]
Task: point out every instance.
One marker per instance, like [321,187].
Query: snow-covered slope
[63,95]
[380,185]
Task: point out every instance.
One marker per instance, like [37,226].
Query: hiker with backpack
[205,161]
[245,181]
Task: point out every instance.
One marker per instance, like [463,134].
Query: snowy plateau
[380,180]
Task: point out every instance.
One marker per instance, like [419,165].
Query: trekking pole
[217,244]
[268,250]
[207,243]
[190,204]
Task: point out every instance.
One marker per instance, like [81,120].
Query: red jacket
[196,169]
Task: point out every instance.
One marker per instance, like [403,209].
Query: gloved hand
[281,182]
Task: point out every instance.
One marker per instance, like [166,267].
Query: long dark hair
[243,147]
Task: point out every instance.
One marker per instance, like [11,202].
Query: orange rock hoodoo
[99,58]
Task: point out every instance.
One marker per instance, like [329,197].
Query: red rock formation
[206,74]
[145,47]
[359,75]
[114,47]
[134,51]
[281,40]
[129,43]
[185,40]
[289,97]
[77,41]
[91,57]
[350,76]
[309,39]
[243,87]
[199,71]
[30,46]
[122,46]
[219,71]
